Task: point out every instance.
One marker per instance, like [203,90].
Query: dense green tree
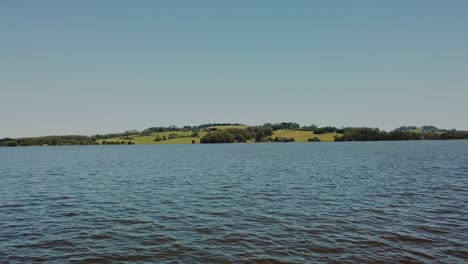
[283,139]
[285,125]
[309,128]
[327,129]
[220,136]
[239,134]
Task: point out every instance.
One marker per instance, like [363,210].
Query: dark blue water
[258,203]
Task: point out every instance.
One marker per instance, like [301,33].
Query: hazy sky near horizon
[87,67]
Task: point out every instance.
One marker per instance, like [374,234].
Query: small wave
[70,214]
[17,259]
[376,211]
[65,197]
[266,261]
[11,205]
[228,239]
[431,230]
[55,244]
[112,258]
[322,250]
[132,221]
[371,243]
[217,197]
[218,213]
[420,254]
[445,211]
[170,218]
[167,202]
[157,240]
[407,238]
[31,234]
[55,174]
[204,230]
[463,254]
[100,236]
[65,205]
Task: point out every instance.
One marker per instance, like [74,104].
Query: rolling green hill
[184,136]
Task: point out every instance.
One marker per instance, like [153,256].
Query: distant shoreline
[237,133]
[251,143]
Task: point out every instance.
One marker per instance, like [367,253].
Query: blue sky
[86,67]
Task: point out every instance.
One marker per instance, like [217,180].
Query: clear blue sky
[86,67]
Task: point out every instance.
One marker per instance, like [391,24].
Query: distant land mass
[239,133]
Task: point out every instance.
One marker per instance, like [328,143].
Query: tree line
[116,142]
[375,134]
[296,126]
[49,140]
[173,128]
[232,135]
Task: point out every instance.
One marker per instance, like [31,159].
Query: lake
[349,202]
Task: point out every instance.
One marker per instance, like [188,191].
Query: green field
[298,135]
[302,136]
[147,140]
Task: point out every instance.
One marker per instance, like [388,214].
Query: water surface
[259,203]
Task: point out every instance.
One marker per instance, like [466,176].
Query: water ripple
[368,202]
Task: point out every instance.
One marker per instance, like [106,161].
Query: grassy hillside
[302,136]
[298,135]
[146,140]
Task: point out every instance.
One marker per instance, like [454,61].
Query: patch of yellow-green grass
[180,133]
[302,136]
[184,140]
